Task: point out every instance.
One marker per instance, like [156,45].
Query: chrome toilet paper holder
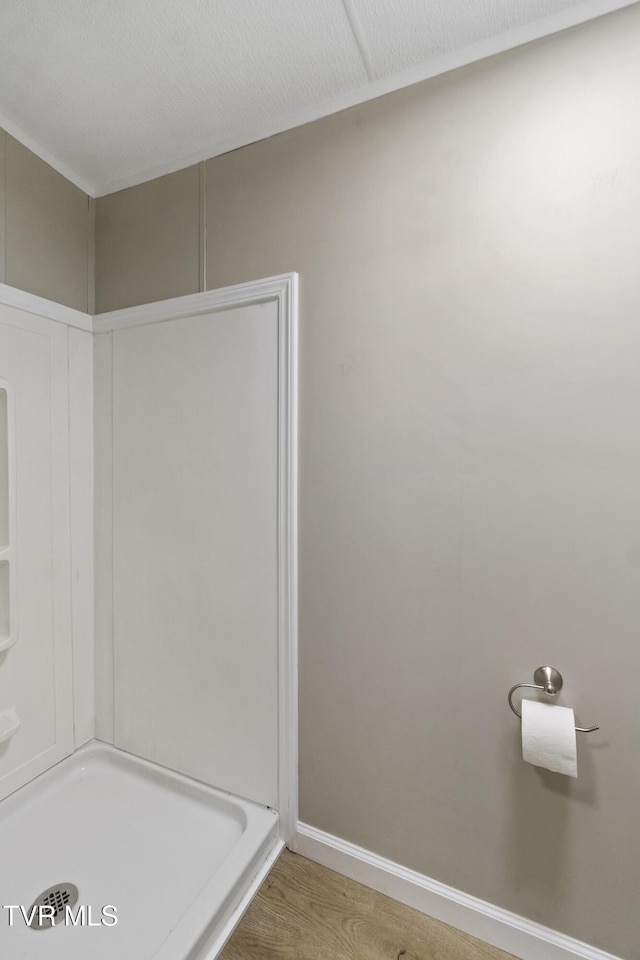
[549,680]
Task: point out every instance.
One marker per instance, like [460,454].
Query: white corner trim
[288,556]
[31,303]
[497,927]
[195,304]
[282,288]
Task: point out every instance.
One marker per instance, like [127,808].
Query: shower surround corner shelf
[7,602]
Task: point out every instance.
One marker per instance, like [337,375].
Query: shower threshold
[160,861]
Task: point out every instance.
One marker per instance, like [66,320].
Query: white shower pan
[172,856]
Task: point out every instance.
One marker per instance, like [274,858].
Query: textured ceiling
[113,92]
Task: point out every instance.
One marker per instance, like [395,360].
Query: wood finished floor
[305,912]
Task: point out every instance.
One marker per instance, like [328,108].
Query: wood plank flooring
[305,912]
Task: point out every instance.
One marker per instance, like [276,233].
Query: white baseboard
[504,930]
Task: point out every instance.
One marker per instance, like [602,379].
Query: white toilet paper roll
[549,737]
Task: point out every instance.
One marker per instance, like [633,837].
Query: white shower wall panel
[195,546]
[36,668]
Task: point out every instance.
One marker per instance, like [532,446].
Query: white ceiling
[114,92]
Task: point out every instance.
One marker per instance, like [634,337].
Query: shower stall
[148,749]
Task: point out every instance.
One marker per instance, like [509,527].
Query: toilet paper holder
[549,680]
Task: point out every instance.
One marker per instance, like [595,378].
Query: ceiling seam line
[358,36]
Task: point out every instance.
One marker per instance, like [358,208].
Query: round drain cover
[60,896]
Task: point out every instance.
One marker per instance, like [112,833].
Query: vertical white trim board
[81,511]
[499,928]
[288,557]
[103,533]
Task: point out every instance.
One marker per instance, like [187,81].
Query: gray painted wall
[46,229]
[469,457]
[470,462]
[148,241]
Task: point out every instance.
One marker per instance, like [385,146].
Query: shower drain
[58,897]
